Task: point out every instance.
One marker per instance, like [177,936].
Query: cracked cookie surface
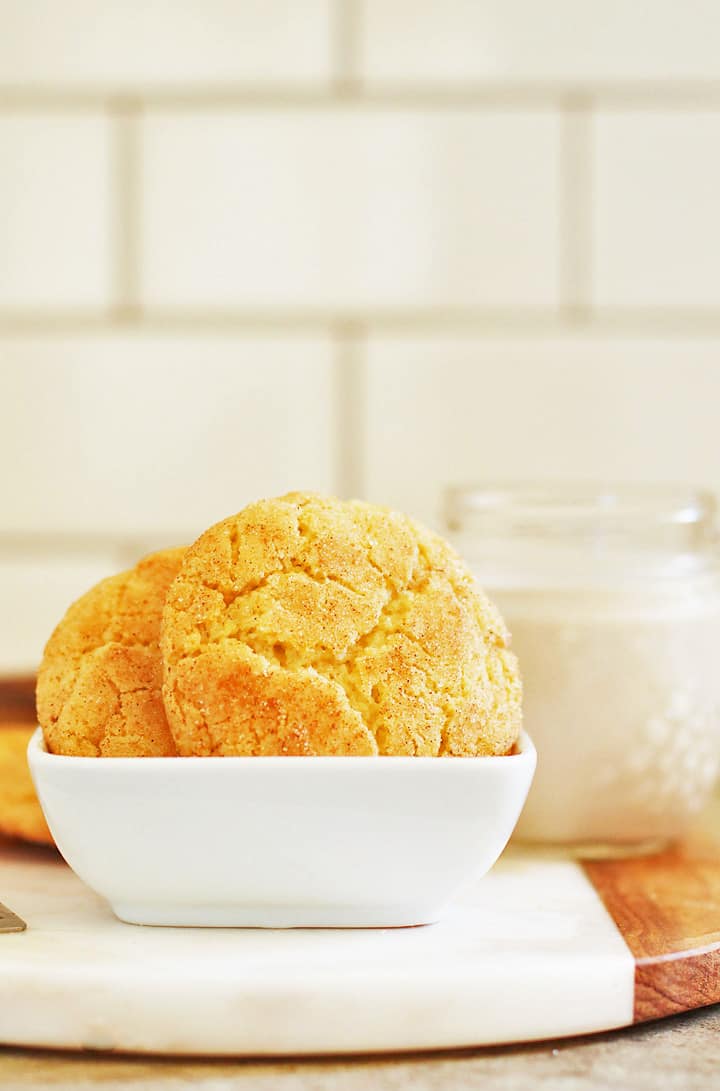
[99,684]
[309,625]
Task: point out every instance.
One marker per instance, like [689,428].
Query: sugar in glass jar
[612,596]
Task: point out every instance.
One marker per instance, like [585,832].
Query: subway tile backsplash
[158,436]
[457,409]
[56,190]
[354,245]
[656,228]
[124,45]
[566,42]
[350,210]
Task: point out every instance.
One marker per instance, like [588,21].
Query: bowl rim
[40,757]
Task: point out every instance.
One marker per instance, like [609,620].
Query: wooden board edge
[667,986]
[659,905]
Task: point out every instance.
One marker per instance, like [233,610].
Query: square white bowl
[281,842]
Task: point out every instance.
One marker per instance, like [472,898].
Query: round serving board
[542,947]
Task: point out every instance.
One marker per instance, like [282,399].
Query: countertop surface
[681,1053]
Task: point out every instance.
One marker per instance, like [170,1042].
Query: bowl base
[176,915]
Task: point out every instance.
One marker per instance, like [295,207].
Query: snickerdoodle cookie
[99,684]
[309,625]
[20,813]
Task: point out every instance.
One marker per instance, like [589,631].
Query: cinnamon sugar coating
[99,684]
[310,625]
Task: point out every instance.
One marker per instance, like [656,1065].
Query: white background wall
[370,246]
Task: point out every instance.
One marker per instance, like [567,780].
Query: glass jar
[612,596]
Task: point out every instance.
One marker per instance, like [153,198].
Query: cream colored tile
[126,43]
[348,209]
[565,41]
[657,214]
[158,436]
[55,220]
[446,410]
[34,594]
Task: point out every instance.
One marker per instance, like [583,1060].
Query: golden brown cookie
[99,684]
[20,813]
[309,625]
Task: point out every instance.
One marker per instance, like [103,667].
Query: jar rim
[585,503]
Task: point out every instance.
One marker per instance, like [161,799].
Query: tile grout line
[24,545]
[347,88]
[349,409]
[344,47]
[125,118]
[479,322]
[575,243]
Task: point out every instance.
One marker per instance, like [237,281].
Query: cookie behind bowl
[20,813]
[99,683]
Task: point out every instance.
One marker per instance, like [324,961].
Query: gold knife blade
[9,921]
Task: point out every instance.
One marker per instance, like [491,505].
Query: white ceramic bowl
[280,842]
